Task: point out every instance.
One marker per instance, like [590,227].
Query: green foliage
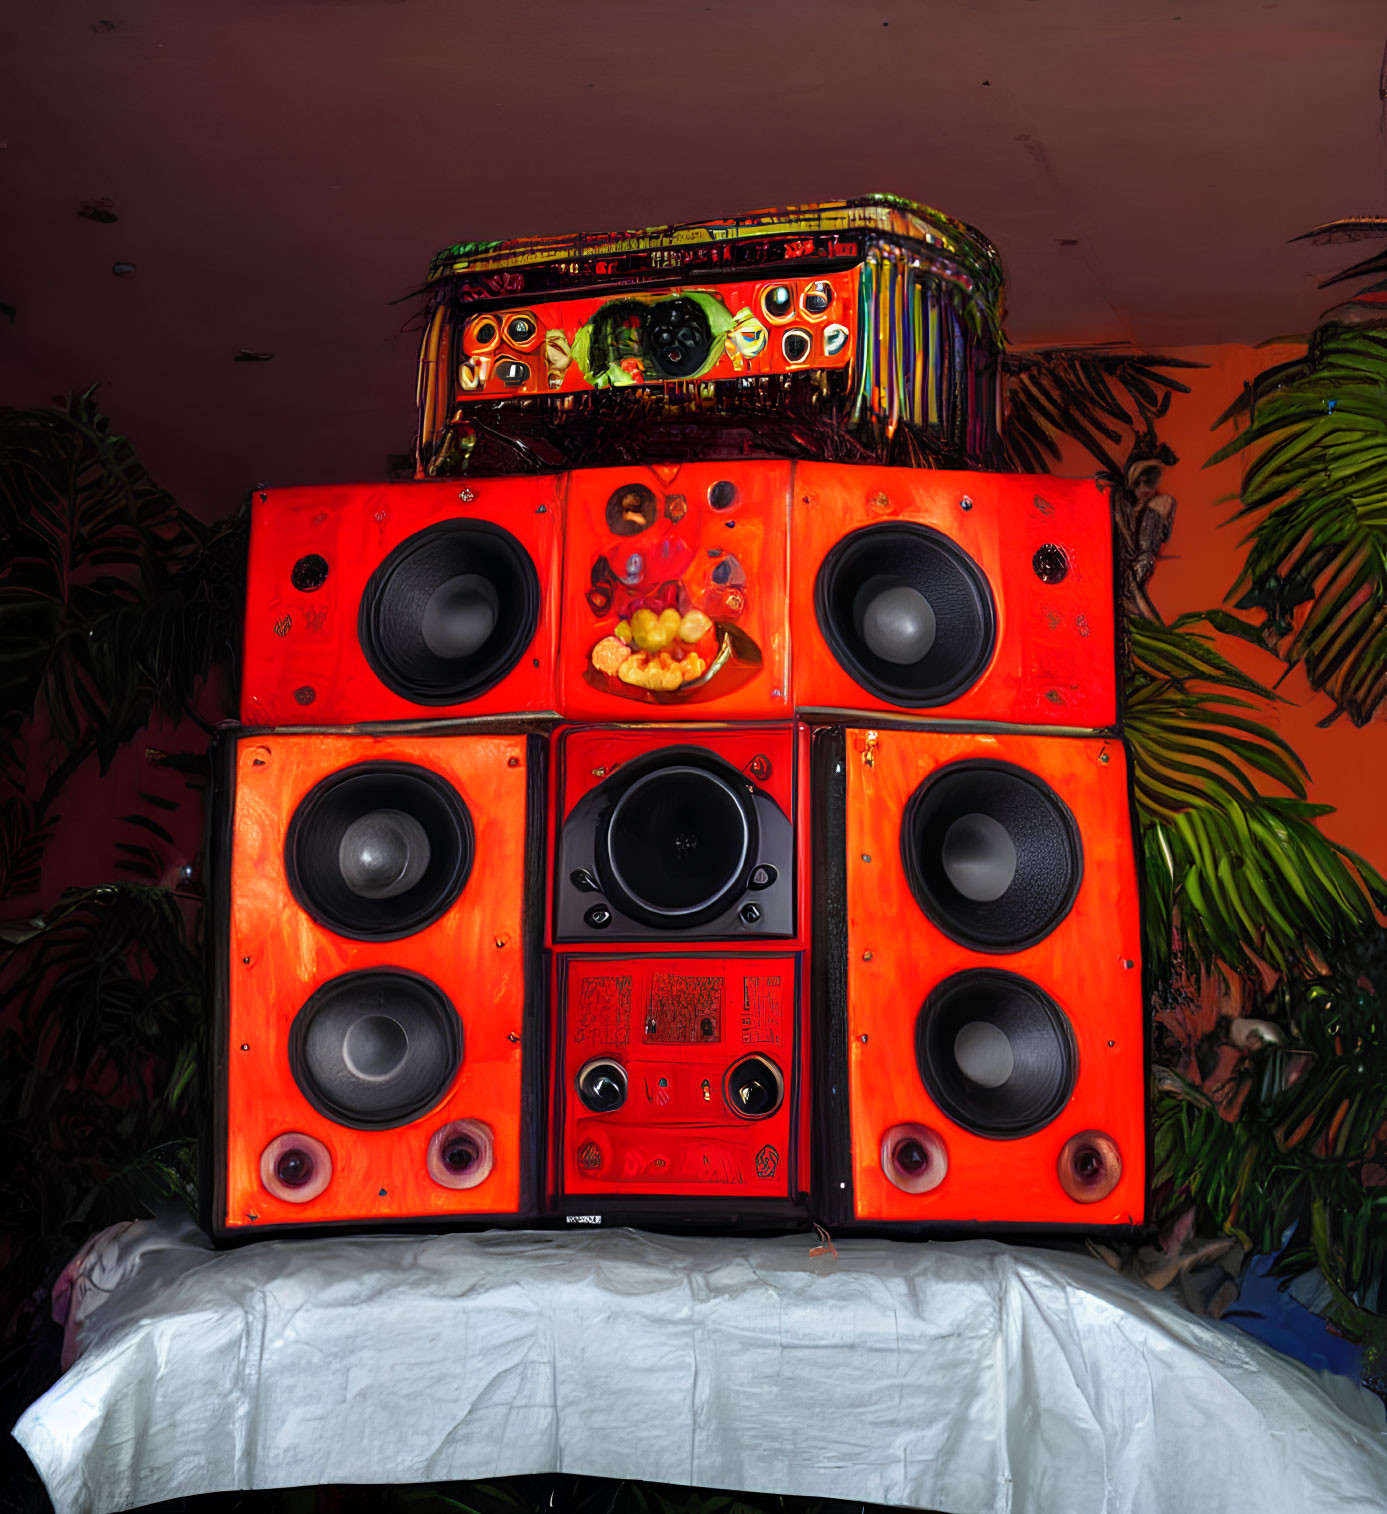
[1316,496]
[114,602]
[1305,1160]
[1104,398]
[100,1050]
[1241,870]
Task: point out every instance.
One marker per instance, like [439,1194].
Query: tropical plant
[1239,876]
[1302,1169]
[114,605]
[1271,1122]
[114,602]
[1315,495]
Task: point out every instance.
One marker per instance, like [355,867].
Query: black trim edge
[831,1142]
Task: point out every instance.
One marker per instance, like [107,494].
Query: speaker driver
[375,1049]
[379,850]
[449,612]
[995,1053]
[992,855]
[914,1158]
[461,1154]
[680,841]
[295,1167]
[906,612]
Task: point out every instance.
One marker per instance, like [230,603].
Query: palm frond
[1104,398]
[113,601]
[1316,493]
[1306,1156]
[1242,871]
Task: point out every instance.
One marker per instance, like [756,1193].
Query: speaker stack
[718,843]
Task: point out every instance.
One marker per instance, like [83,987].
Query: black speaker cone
[992,855]
[449,612]
[680,840]
[906,612]
[379,850]
[375,1049]
[995,1053]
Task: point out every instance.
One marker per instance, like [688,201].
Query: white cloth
[963,1377]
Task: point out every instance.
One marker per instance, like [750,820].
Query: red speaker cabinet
[979,1014]
[678,1095]
[378,994]
[394,602]
[973,597]
[676,593]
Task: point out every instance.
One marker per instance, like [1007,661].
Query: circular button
[599,917]
[601,1085]
[309,573]
[1050,564]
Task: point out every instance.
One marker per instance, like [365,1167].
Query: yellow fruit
[694,626]
[643,619]
[623,630]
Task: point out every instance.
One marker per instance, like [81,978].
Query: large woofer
[449,612]
[995,1053]
[379,850]
[992,855]
[680,840]
[906,612]
[375,1049]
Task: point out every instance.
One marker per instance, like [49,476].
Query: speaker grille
[906,612]
[680,840]
[369,817]
[449,612]
[995,1053]
[992,855]
[375,1049]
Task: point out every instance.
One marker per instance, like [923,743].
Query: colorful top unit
[870,325]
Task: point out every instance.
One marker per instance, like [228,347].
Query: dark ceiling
[282,171]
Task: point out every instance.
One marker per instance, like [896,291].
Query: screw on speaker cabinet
[679,843]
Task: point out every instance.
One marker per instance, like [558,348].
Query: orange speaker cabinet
[971,597]
[979,1012]
[675,593]
[677,1090]
[393,602]
[379,1035]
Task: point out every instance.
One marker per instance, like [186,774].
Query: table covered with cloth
[968,1377]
